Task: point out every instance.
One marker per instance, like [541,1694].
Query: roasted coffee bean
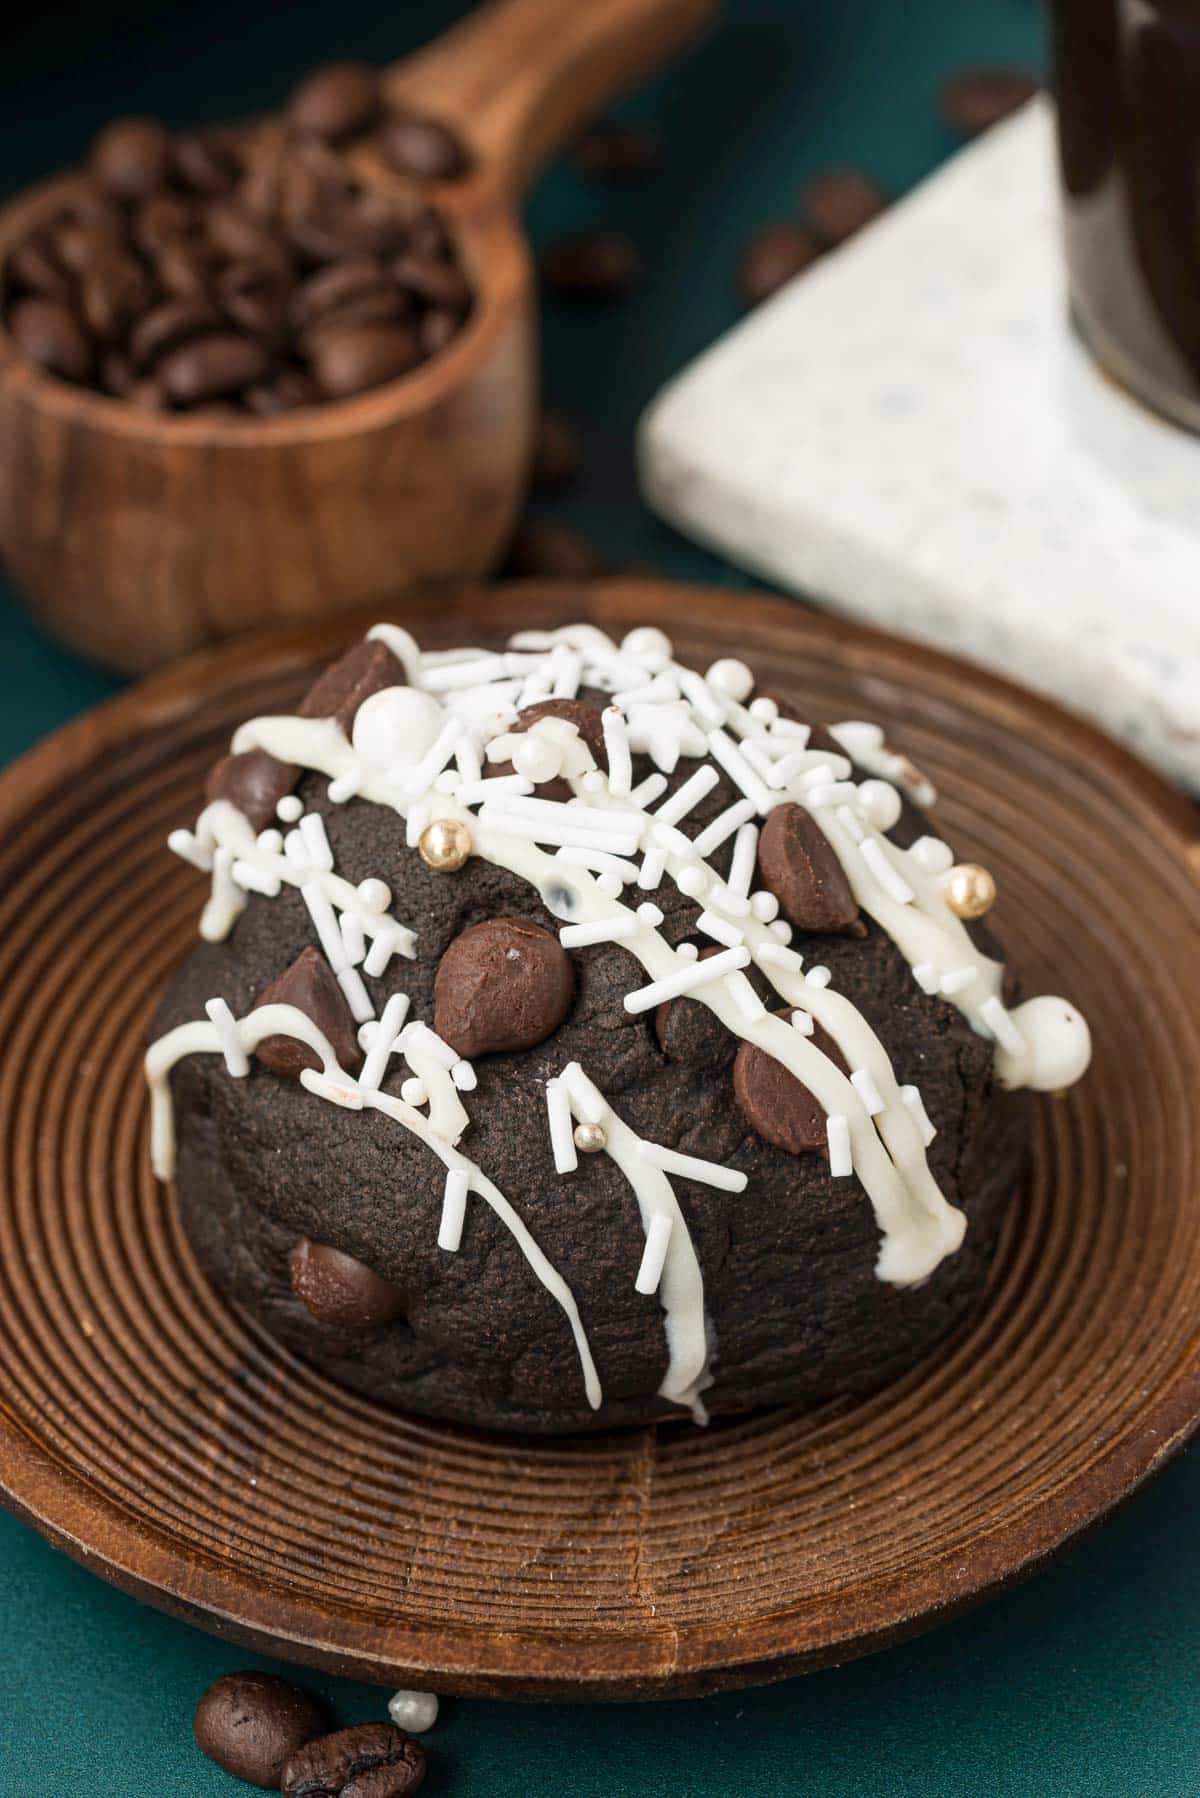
[205,368]
[309,985]
[503,984]
[841,202]
[557,455]
[111,294]
[773,255]
[131,158]
[324,294]
[797,862]
[348,360]
[325,1768]
[436,329]
[236,234]
[340,1291]
[976,99]
[427,236]
[335,102]
[184,269]
[437,283]
[612,151]
[33,267]
[776,1105]
[160,220]
[79,244]
[591,265]
[290,390]
[205,164]
[49,334]
[543,547]
[252,1723]
[422,147]
[254,298]
[169,324]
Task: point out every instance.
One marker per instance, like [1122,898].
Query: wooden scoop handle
[519,77]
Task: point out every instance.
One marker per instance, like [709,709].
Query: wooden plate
[170,1445]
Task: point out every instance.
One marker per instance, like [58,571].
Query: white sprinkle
[792,729]
[290,809]
[296,852]
[685,798]
[374,894]
[881,802]
[933,855]
[413,1711]
[589,1100]
[649,915]
[957,980]
[863,1082]
[654,866]
[269,842]
[912,1098]
[746,999]
[357,996]
[648,790]
[721,928]
[838,792]
[473,792]
[692,880]
[691,1167]
[573,827]
[602,930]
[926,976]
[466,756]
[184,844]
[383,1041]
[687,979]
[741,868]
[781,930]
[851,824]
[454,1209]
[464,1077]
[312,830]
[731,678]
[764,905]
[428,1042]
[418,780]
[537,757]
[609,885]
[413,1092]
[236,1060]
[726,751]
[567,665]
[785,770]
[599,861]
[802,1021]
[616,744]
[889,878]
[670,839]
[647,642]
[837,1134]
[824,767]
[733,903]
[764,709]
[594,782]
[343,787]
[379,955]
[704,703]
[338,1092]
[353,937]
[759,758]
[256,879]
[1002,1027]
[404,647]
[475,673]
[858,738]
[818,976]
[658,1238]
[562,1137]
[325,923]
[225,896]
[774,955]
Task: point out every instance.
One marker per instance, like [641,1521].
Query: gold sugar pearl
[968,890]
[445,845]
[590,1138]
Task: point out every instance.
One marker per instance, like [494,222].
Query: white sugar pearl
[413,1092]
[270,842]
[687,952]
[764,709]
[765,906]
[692,880]
[650,915]
[448,781]
[609,885]
[375,894]
[732,678]
[537,757]
[289,809]
[1058,1046]
[818,976]
[781,930]
[647,642]
[881,802]
[933,854]
[413,1711]
[393,729]
[593,781]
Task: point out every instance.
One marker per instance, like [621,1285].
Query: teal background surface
[1082,1684]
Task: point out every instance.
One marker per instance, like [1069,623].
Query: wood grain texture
[170,1445]
[136,537]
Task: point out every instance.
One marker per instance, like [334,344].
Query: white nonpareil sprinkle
[858,738]
[454,1209]
[375,895]
[354,938]
[837,1134]
[781,930]
[934,855]
[957,980]
[927,977]
[183,844]
[881,802]
[993,1014]
[616,744]
[357,996]
[775,955]
[413,1092]
[654,866]
[609,885]
[889,877]
[603,930]
[290,809]
[723,930]
[649,915]
[464,1076]
[692,880]
[741,868]
[912,1098]
[863,1082]
[383,1041]
[687,952]
[312,830]
[536,757]
[802,1021]
[764,709]
[686,797]
[687,979]
[562,1129]
[648,643]
[731,678]
[818,975]
[726,751]
[654,1255]
[764,905]
[648,790]
[723,827]
[236,1059]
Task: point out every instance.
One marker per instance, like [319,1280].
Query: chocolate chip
[422,147]
[207,367]
[49,334]
[557,454]
[587,718]
[254,781]
[347,360]
[367,668]
[774,1103]
[771,258]
[325,1768]
[841,202]
[612,151]
[252,1723]
[131,158]
[542,547]
[689,1031]
[976,99]
[591,265]
[503,984]
[340,1291]
[335,102]
[797,863]
[310,986]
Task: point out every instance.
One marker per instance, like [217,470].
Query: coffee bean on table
[771,258]
[206,368]
[351,1763]
[251,1724]
[591,265]
[612,151]
[976,99]
[415,145]
[131,158]
[49,334]
[557,456]
[335,102]
[543,547]
[841,202]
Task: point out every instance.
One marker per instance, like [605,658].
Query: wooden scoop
[136,536]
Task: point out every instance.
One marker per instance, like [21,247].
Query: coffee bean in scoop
[251,1724]
[771,258]
[48,332]
[976,99]
[412,144]
[841,202]
[591,265]
[336,102]
[131,158]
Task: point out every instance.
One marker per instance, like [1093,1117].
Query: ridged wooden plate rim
[212,1590]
